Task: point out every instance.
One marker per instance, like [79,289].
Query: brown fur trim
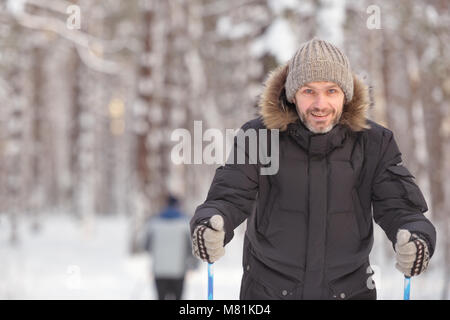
[276,116]
[355,111]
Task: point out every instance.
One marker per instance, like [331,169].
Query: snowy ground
[63,261]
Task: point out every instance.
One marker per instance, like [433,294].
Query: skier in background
[309,229]
[168,242]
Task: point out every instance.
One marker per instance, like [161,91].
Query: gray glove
[412,253]
[208,239]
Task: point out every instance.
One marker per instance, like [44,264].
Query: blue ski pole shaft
[407,288]
[210,281]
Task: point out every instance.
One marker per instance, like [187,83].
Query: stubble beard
[334,121]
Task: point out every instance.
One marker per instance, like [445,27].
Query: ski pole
[210,281]
[407,288]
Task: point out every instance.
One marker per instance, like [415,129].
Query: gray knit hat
[319,60]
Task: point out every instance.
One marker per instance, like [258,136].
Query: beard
[310,124]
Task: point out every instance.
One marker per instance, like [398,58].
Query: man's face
[319,105]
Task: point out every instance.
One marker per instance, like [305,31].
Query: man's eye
[308,91]
[332,90]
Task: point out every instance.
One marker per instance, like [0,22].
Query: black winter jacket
[309,229]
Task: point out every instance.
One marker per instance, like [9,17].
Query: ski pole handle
[210,281]
[407,288]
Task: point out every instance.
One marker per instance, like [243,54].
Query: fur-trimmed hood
[276,115]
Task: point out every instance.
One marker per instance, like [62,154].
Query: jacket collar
[317,144]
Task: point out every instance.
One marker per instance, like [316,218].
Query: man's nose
[319,101]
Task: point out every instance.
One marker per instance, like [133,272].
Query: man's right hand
[208,239]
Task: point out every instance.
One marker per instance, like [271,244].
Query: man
[310,230]
[168,241]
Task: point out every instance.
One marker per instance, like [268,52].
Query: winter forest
[91,92]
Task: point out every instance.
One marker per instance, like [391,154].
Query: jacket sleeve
[397,201]
[233,191]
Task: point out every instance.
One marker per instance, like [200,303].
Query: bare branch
[86,44]
[59,6]
[96,63]
[219,8]
[53,24]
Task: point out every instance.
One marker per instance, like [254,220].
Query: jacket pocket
[252,289]
[357,284]
[259,282]
[411,190]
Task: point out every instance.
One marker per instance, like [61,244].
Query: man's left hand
[411,252]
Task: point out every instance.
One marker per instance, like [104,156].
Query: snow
[68,261]
[16,6]
[330,18]
[279,40]
[226,27]
[279,6]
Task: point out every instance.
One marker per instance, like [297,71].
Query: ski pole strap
[407,288]
[210,281]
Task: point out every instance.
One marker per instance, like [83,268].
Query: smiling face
[319,105]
